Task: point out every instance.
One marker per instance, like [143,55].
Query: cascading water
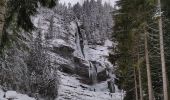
[93,73]
[111,83]
[111,86]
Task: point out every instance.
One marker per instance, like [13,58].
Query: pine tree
[77,10]
[42,76]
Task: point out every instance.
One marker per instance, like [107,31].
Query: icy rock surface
[84,69]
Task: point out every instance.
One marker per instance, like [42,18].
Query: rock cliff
[85,73]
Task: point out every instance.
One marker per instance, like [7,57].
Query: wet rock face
[66,69]
[102,76]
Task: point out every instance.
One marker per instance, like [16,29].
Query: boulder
[82,67]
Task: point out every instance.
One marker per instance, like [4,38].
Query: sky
[75,1]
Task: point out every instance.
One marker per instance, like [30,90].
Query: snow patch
[13,95]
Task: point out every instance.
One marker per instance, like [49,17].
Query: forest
[142,31]
[90,50]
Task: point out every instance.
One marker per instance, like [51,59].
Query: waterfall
[111,86]
[93,73]
[80,47]
[79,41]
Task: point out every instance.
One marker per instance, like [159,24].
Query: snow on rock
[99,55]
[57,38]
[2,95]
[60,43]
[24,97]
[13,95]
[108,43]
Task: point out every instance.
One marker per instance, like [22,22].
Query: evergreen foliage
[42,76]
[24,64]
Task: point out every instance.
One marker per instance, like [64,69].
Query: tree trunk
[140,84]
[139,61]
[136,86]
[140,79]
[150,92]
[164,74]
[2,16]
